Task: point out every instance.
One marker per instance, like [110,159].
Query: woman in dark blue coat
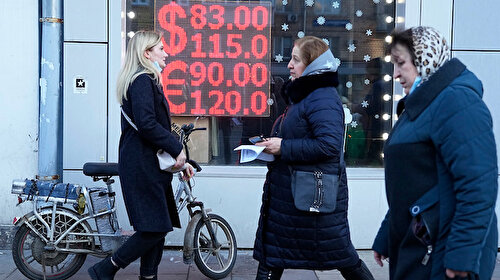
[308,136]
[147,190]
[440,167]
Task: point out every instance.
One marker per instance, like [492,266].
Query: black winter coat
[147,190]
[312,130]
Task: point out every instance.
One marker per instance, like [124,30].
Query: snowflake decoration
[329,64]
[367,58]
[309,3]
[367,81]
[364,104]
[321,20]
[354,124]
[301,34]
[359,13]
[348,84]
[326,41]
[278,58]
[335,5]
[337,61]
[376,1]
[284,2]
[377,116]
[270,101]
[369,32]
[348,26]
[351,48]
[284,27]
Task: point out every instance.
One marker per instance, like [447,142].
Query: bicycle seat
[100,169]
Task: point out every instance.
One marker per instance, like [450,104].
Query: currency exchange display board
[219,57]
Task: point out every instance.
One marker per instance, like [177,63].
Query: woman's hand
[450,273]
[273,145]
[188,172]
[180,160]
[379,258]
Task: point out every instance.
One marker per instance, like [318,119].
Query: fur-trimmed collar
[298,89]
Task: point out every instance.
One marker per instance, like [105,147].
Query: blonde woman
[147,190]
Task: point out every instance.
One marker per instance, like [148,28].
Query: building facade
[227,63]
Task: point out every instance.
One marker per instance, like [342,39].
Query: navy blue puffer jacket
[312,130]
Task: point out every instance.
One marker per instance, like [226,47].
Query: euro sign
[176,34]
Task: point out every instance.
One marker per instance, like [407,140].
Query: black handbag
[315,191]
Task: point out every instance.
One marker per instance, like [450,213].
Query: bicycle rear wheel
[213,261]
[31,258]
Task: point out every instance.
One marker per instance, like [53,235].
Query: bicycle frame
[57,205]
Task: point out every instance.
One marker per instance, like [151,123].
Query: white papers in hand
[252,152]
[167,162]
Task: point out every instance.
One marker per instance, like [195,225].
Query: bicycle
[70,221]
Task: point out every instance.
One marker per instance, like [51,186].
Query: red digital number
[197,71]
[197,53]
[237,102]
[232,44]
[264,14]
[172,66]
[198,19]
[215,81]
[256,80]
[218,16]
[216,109]
[258,107]
[246,17]
[215,39]
[197,110]
[246,74]
[263,46]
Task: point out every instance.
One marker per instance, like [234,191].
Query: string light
[400,20]
[386,117]
[131,34]
[131,14]
[122,14]
[389,1]
[385,135]
[387,97]
[388,39]
[389,19]
[387,77]
[387,58]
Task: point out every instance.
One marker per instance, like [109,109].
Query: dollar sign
[167,16]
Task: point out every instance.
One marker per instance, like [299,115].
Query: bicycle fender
[188,250]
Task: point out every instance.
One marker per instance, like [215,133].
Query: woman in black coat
[307,137]
[147,190]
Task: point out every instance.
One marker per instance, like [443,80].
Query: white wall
[18,99]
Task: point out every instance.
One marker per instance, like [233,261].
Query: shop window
[354,30]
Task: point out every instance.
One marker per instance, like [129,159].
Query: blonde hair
[136,63]
[310,48]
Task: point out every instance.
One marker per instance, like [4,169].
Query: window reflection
[355,32]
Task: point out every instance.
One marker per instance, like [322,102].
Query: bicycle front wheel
[214,260]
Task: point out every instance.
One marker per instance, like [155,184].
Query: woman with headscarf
[307,137]
[440,167]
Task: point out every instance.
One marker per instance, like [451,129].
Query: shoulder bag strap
[128,119]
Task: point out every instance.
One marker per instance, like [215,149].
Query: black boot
[144,278]
[103,270]
[266,273]
[357,272]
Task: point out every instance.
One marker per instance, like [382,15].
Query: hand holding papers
[252,152]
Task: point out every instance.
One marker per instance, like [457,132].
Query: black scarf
[298,89]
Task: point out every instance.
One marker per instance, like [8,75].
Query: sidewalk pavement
[172,268]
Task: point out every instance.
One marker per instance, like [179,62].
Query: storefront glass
[229,60]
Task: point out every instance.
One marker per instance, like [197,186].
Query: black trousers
[145,245]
